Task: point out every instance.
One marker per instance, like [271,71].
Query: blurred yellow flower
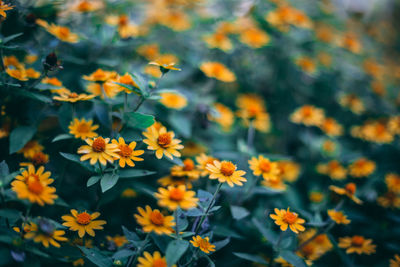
[362,167]
[62,33]
[31,148]
[333,169]
[308,115]
[3,8]
[72,97]
[154,221]
[154,260]
[338,217]
[83,222]
[349,190]
[203,244]
[99,149]
[46,236]
[82,129]
[173,100]
[392,181]
[225,117]
[263,166]
[357,244]
[173,197]
[218,71]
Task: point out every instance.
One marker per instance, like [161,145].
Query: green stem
[125,102]
[250,136]
[133,259]
[208,209]
[176,224]
[141,100]
[272,262]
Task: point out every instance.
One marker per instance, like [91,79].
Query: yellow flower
[202,161]
[83,222]
[308,115]
[100,76]
[225,117]
[350,42]
[316,197]
[154,260]
[286,218]
[129,193]
[82,129]
[263,166]
[349,190]
[218,40]
[333,169]
[62,33]
[275,184]
[289,170]
[175,19]
[175,181]
[163,142]
[392,181]
[118,240]
[188,169]
[52,81]
[99,149]
[329,146]
[203,244]
[173,100]
[87,6]
[252,111]
[307,64]
[4,7]
[373,131]
[104,89]
[31,148]
[338,216]
[357,244]
[154,221]
[331,127]
[362,167]
[321,242]
[45,234]
[34,186]
[389,200]
[127,153]
[218,71]
[72,97]
[149,51]
[254,37]
[19,74]
[174,197]
[128,80]
[394,125]
[352,102]
[38,159]
[165,65]
[395,262]
[225,172]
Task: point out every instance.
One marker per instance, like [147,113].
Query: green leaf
[239,213]
[61,137]
[108,181]
[76,159]
[131,236]
[11,37]
[124,253]
[130,87]
[222,243]
[175,250]
[138,120]
[35,96]
[93,180]
[44,86]
[269,235]
[96,256]
[135,173]
[10,214]
[20,136]
[250,257]
[4,170]
[292,258]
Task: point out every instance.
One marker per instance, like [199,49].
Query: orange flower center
[35,186]
[123,20]
[64,31]
[350,188]
[307,111]
[83,128]
[227,168]
[176,194]
[203,243]
[83,218]
[188,165]
[125,151]
[157,218]
[164,139]
[265,166]
[99,145]
[159,263]
[357,240]
[290,217]
[320,239]
[39,158]
[73,95]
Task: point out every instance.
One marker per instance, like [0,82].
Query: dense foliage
[198,133]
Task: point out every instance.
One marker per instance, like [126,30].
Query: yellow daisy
[349,190]
[154,221]
[362,167]
[83,222]
[286,218]
[72,97]
[62,33]
[173,197]
[225,172]
[188,169]
[173,100]
[154,260]
[263,166]
[338,217]
[357,244]
[127,153]
[202,161]
[218,71]
[45,234]
[203,244]
[99,149]
[82,129]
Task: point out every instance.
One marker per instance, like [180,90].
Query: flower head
[173,100]
[82,129]
[392,181]
[286,218]
[33,185]
[154,221]
[357,244]
[338,217]
[99,149]
[31,148]
[173,197]
[203,244]
[349,190]
[62,33]
[203,160]
[362,167]
[218,71]
[45,233]
[4,7]
[333,169]
[83,222]
[308,115]
[127,153]
[225,117]
[154,260]
[162,141]
[165,65]
[263,166]
[72,97]
[188,169]
[225,172]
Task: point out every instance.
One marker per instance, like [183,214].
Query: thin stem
[139,104]
[250,136]
[176,224]
[73,106]
[208,209]
[133,259]
[37,81]
[125,102]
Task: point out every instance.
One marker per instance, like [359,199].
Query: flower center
[351,188]
[164,139]
[265,166]
[64,31]
[83,128]
[320,239]
[159,263]
[227,168]
[125,151]
[157,218]
[203,243]
[307,111]
[73,95]
[290,217]
[39,158]
[176,194]
[357,240]
[35,186]
[188,165]
[99,145]
[83,218]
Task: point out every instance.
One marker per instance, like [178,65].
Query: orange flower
[289,170]
[174,197]
[362,167]
[62,33]
[203,244]
[72,97]
[349,190]
[82,129]
[286,218]
[392,181]
[218,40]
[225,172]
[331,127]
[353,102]
[254,37]
[218,71]
[173,100]
[308,115]
[357,244]
[154,221]
[225,117]
[333,169]
[127,153]
[350,42]
[263,166]
[4,7]
[83,222]
[338,217]
[306,64]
